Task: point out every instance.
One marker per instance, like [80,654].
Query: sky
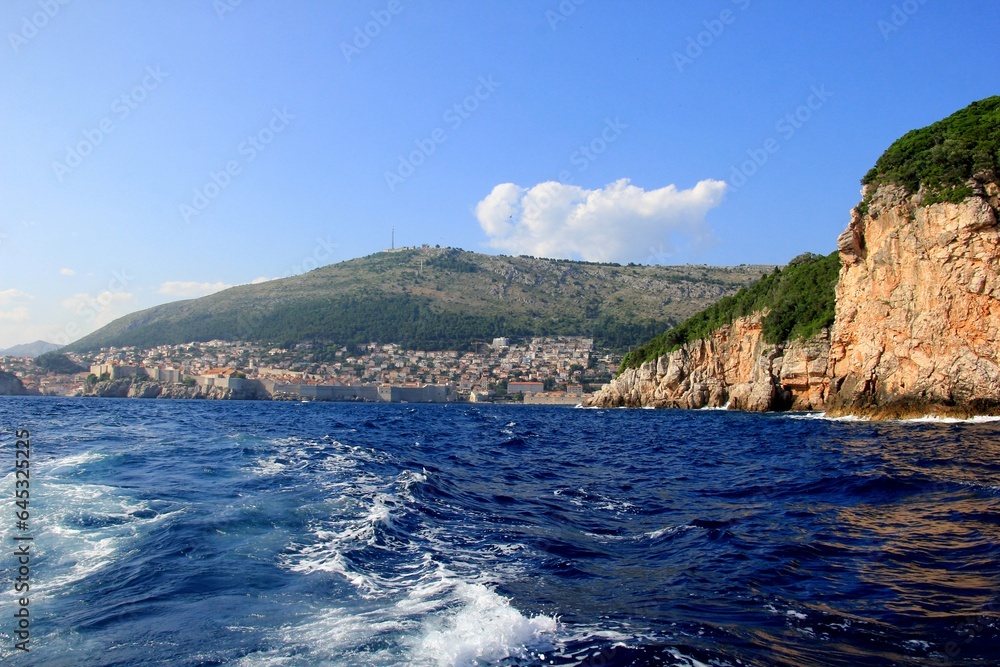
[161,150]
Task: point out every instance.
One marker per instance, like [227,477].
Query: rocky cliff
[11,385]
[917,326]
[734,366]
[915,314]
[131,388]
[916,331]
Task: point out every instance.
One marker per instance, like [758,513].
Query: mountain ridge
[438,298]
[38,348]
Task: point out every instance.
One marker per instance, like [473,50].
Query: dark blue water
[227,533]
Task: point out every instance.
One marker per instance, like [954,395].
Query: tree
[57,363]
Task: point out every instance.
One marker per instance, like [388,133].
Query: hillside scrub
[799,300]
[942,157]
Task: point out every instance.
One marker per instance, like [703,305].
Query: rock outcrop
[132,388]
[11,385]
[915,313]
[917,328]
[734,367]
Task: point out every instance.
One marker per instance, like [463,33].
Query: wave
[417,594]
[52,468]
[442,621]
[822,416]
[80,529]
[483,627]
[926,419]
[934,419]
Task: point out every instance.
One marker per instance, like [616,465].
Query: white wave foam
[82,529]
[599,501]
[933,419]
[823,417]
[73,461]
[926,419]
[685,660]
[407,608]
[483,627]
[669,530]
[375,511]
[442,621]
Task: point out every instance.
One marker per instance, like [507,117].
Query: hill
[438,298]
[29,349]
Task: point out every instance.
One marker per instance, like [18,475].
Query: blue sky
[151,151]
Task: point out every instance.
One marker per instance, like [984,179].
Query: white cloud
[18,314]
[9,295]
[190,289]
[96,311]
[102,301]
[617,223]
[67,272]
[262,279]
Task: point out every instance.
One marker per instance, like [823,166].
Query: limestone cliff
[915,314]
[917,326]
[734,366]
[132,388]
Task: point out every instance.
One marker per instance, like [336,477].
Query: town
[546,370]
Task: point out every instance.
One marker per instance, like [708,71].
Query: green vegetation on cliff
[799,299]
[945,155]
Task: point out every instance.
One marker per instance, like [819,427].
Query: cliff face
[11,385]
[732,367]
[917,327]
[131,388]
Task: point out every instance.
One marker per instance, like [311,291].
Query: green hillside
[438,298]
[945,155]
[799,299]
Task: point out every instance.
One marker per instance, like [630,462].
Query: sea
[246,534]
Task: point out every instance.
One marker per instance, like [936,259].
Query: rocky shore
[734,367]
[11,385]
[918,307]
[132,388]
[916,332]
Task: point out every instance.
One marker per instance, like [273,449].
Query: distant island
[902,321]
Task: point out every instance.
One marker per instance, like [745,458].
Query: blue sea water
[274,534]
